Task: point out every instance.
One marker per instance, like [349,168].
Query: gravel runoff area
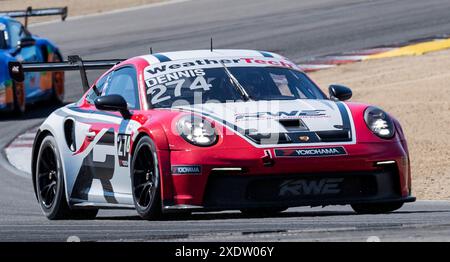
[416,90]
[76,7]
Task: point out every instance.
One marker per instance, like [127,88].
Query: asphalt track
[297,29]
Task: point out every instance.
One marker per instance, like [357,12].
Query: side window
[16,32]
[101,84]
[123,82]
[30,54]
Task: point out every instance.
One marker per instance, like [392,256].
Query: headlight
[197,131]
[379,122]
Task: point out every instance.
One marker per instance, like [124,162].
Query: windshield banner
[189,68]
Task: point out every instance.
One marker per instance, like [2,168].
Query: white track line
[134,8]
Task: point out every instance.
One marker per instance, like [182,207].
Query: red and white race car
[214,130]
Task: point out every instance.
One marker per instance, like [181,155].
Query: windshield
[204,85]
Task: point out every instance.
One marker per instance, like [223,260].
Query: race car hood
[320,120]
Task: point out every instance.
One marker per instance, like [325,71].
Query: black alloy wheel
[47,176]
[49,181]
[145,180]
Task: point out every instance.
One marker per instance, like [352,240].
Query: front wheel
[145,180]
[376,208]
[49,181]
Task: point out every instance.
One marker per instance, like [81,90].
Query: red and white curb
[329,61]
[18,152]
[332,60]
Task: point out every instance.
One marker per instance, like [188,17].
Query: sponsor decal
[210,63]
[123,149]
[269,62]
[304,138]
[15,69]
[311,152]
[187,65]
[168,78]
[296,114]
[186,170]
[163,67]
[305,187]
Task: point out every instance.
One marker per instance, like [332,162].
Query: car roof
[4,19]
[206,53]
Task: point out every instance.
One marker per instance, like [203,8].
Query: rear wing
[29,12]
[17,70]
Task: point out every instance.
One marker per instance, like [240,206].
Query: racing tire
[145,180]
[376,208]
[263,212]
[19,99]
[50,188]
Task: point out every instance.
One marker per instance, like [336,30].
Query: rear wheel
[19,99]
[377,208]
[262,212]
[145,180]
[50,185]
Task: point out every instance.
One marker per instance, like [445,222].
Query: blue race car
[17,44]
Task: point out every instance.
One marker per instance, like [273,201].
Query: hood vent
[335,135]
[303,137]
[293,124]
[268,139]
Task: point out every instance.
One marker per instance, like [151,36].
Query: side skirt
[82,204]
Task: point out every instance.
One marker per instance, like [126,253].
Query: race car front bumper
[242,178]
[318,189]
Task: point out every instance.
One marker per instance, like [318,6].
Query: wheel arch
[161,144]
[40,135]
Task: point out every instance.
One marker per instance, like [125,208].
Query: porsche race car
[18,44]
[214,130]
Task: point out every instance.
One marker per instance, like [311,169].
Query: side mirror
[113,103]
[339,92]
[27,41]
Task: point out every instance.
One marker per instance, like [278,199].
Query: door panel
[105,170]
